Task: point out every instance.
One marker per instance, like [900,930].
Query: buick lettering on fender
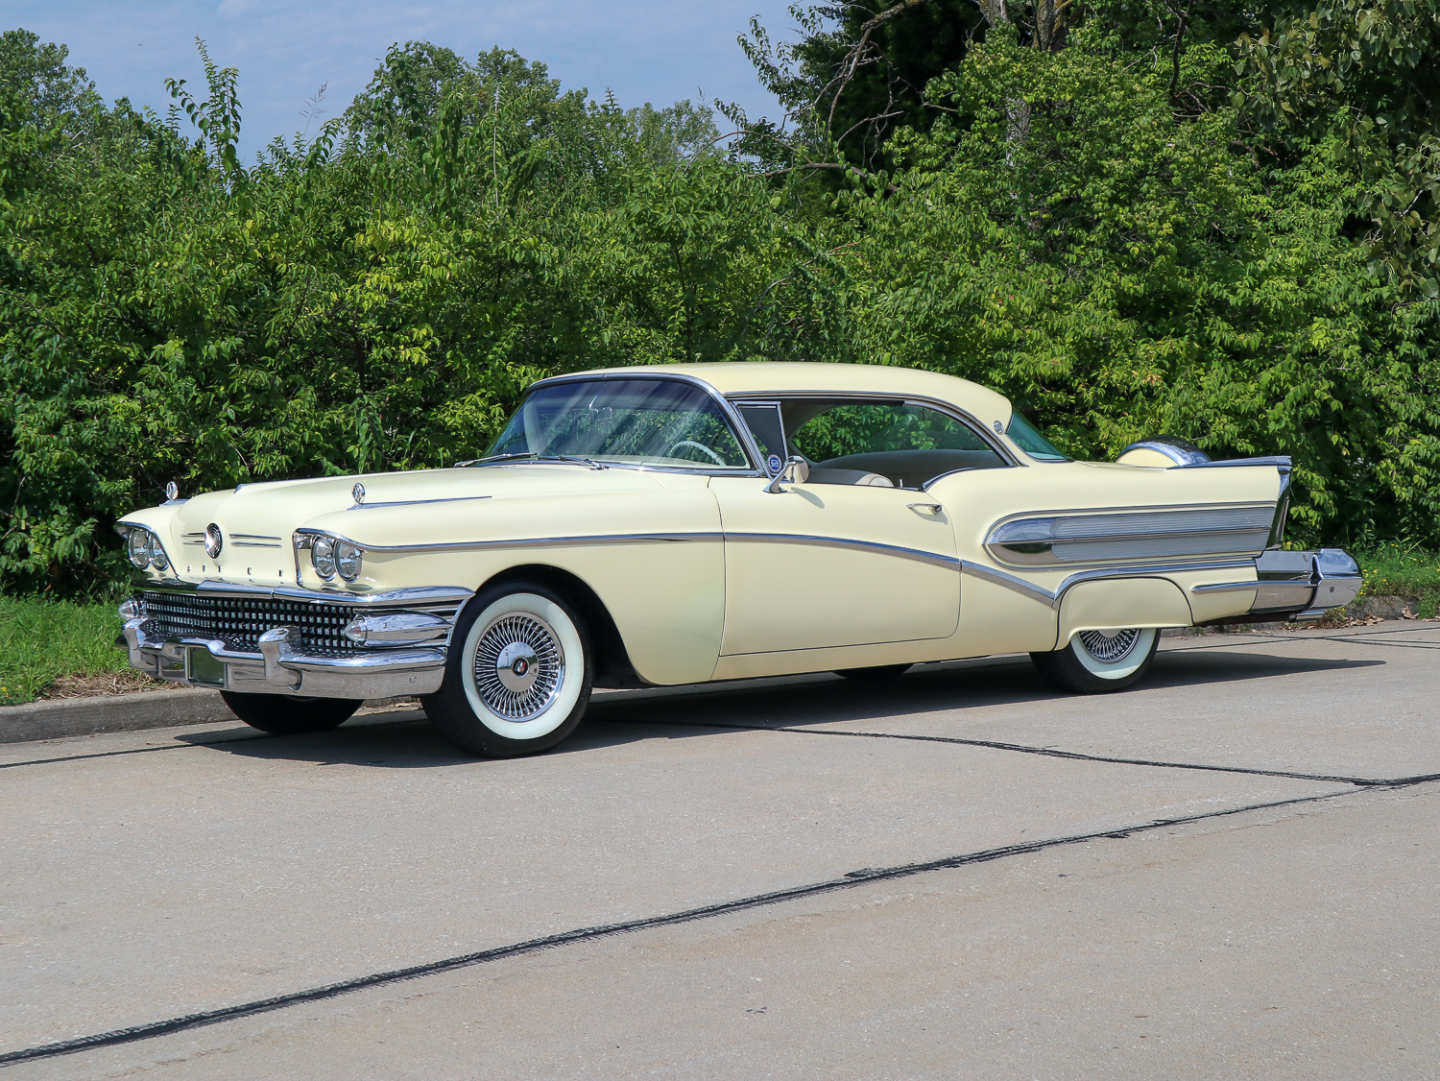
[674,525]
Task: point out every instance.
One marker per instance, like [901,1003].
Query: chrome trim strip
[666,538]
[1279,461]
[417,502]
[1056,596]
[740,429]
[521,542]
[1225,587]
[899,551]
[1055,538]
[254,537]
[1008,581]
[393,598]
[1152,570]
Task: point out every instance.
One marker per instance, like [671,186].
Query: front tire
[518,674]
[1095,662]
[289,715]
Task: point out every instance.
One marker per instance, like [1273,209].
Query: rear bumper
[1293,585]
[399,643]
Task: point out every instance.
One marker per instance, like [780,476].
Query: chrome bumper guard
[398,650]
[1294,585]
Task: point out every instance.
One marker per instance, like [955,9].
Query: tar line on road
[849,880]
[1045,752]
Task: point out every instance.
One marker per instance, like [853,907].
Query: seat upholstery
[858,477]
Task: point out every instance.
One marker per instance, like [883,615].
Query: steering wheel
[701,447]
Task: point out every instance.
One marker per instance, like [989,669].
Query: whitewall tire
[518,674]
[1100,660]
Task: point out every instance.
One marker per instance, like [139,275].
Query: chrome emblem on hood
[214,540]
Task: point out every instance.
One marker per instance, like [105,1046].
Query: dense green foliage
[1137,217]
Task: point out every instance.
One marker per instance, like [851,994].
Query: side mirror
[796,471]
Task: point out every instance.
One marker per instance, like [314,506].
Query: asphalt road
[1228,871]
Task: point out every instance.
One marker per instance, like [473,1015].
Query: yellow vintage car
[679,524]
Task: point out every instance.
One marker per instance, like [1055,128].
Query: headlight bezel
[332,556]
[143,548]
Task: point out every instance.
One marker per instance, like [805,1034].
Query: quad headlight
[331,555]
[144,548]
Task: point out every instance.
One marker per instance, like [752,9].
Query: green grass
[1392,570]
[42,641]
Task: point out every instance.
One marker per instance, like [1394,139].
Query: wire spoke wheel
[1109,647]
[519,667]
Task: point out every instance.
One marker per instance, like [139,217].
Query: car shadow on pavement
[405,740]
[928,688]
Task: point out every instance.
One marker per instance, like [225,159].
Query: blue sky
[643,50]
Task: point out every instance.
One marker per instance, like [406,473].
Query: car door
[824,564]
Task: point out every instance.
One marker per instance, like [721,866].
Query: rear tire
[518,674]
[289,715]
[1095,662]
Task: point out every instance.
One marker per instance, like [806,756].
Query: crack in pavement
[848,880]
[1047,752]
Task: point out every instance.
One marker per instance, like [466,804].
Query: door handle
[932,509]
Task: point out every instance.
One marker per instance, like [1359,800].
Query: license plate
[205,669]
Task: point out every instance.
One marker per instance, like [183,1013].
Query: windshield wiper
[531,456]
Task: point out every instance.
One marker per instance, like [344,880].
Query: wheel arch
[613,667]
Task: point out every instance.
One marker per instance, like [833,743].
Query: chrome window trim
[950,409]
[738,427]
[779,419]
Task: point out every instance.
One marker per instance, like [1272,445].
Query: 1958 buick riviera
[681,524]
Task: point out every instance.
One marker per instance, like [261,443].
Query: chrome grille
[240,621]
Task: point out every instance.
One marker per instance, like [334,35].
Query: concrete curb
[58,717]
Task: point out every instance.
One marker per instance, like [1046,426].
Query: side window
[902,442]
[767,426]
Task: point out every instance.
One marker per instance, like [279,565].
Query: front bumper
[293,641]
[1294,586]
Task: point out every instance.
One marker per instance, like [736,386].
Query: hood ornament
[358,493]
[214,540]
[172,491]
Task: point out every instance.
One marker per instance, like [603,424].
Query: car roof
[758,378]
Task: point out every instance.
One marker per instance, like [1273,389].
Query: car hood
[256,521]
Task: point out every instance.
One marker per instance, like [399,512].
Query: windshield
[1028,438]
[661,422]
